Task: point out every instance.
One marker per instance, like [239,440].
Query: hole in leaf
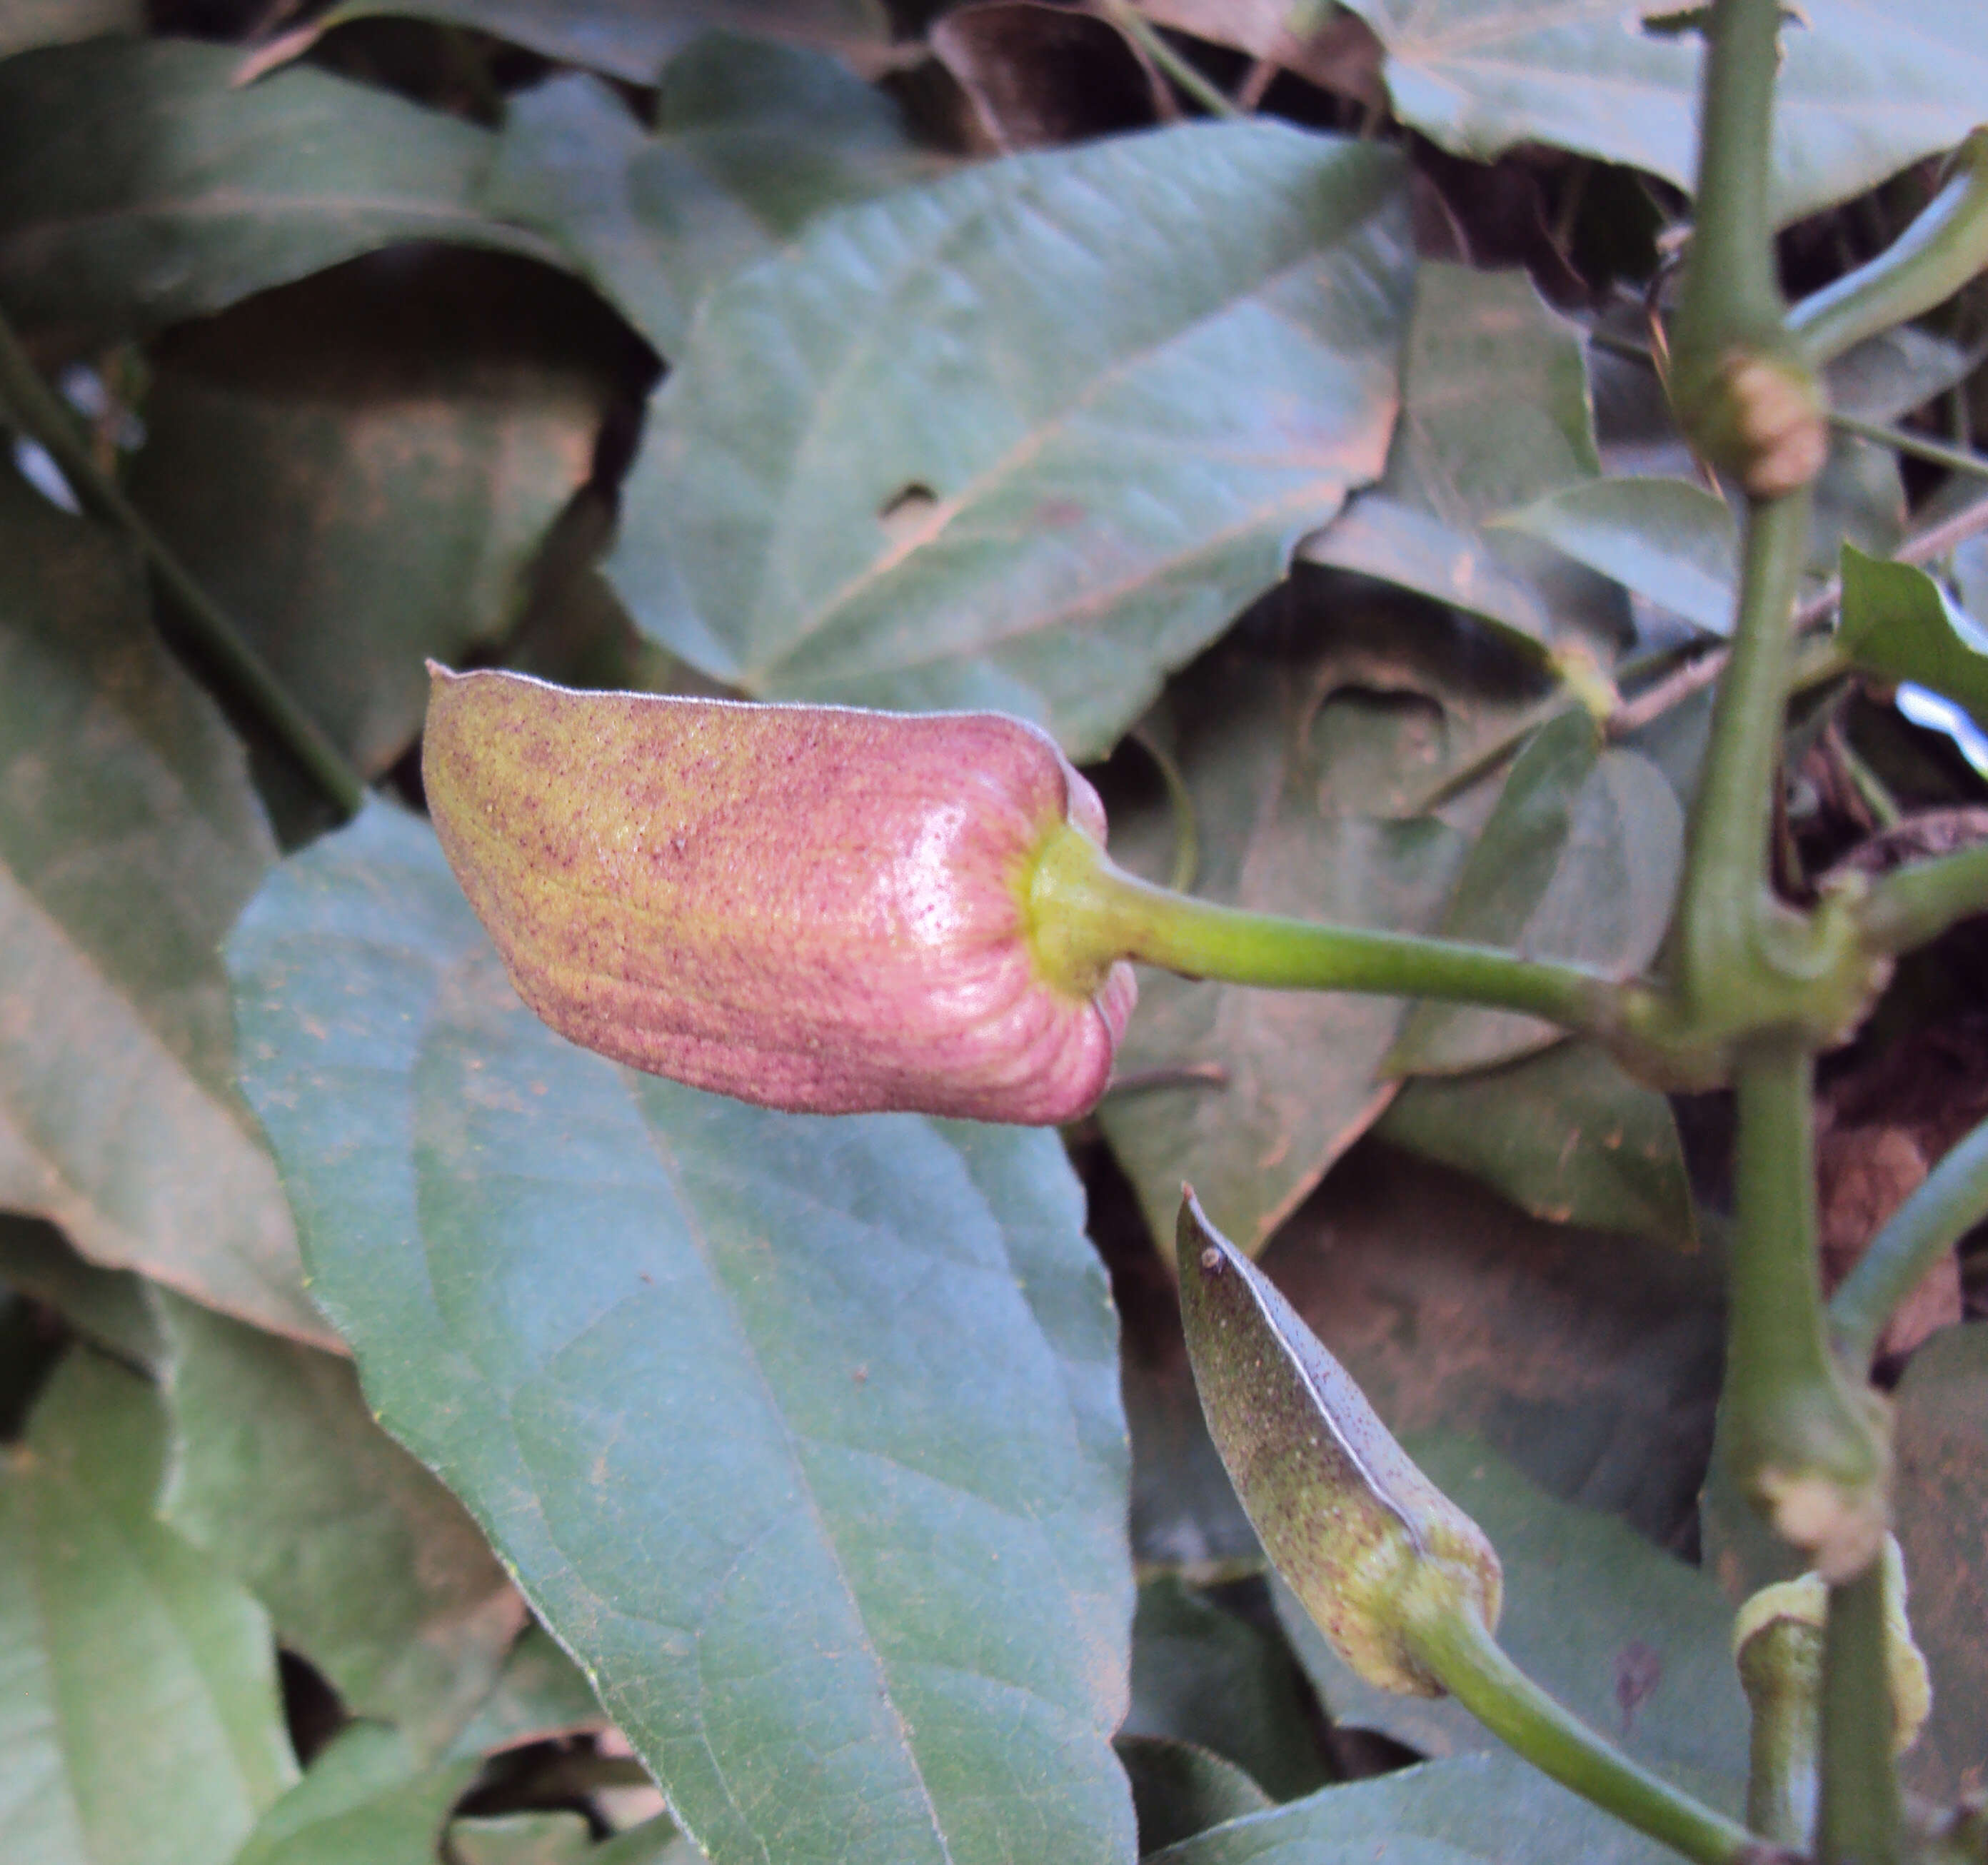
[904,514]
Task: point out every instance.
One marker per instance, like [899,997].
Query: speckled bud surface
[810,907]
[1360,1534]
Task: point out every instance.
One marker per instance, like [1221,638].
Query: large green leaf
[751,140]
[1476,1809]
[140,1724]
[1578,861]
[362,469]
[1897,624]
[893,468]
[144,187]
[1204,1676]
[1300,1070]
[369,1567]
[1566,1135]
[1631,1638]
[540,1693]
[25,24]
[802,1434]
[365,1798]
[129,839]
[1495,414]
[1942,1518]
[633,39]
[1480,75]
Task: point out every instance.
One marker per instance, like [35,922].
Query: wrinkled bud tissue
[810,908]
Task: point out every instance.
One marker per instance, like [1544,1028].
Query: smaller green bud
[1777,1645]
[1372,1547]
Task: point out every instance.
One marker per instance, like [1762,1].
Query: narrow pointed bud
[810,908]
[1374,1550]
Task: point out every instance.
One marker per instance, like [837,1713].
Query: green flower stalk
[812,908]
[835,911]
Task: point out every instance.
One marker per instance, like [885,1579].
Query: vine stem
[1456,1647]
[1858,1817]
[42,416]
[1795,1434]
[1725,895]
[1915,905]
[1949,1202]
[1086,912]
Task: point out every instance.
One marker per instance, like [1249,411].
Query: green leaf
[146,187]
[25,24]
[804,1433]
[633,40]
[111,1307]
[1565,1135]
[455,393]
[364,1798]
[129,839]
[140,1724]
[1495,412]
[539,1693]
[1897,624]
[1300,1069]
[1180,1790]
[523,1839]
[891,470]
[369,1567]
[1487,1809]
[752,140]
[1479,76]
[1630,1638]
[1578,861]
[1203,1676]
[1669,540]
[1592,1361]
[1942,1507]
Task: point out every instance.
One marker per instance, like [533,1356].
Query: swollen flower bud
[810,907]
[1374,1550]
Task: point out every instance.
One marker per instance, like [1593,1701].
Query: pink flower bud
[810,907]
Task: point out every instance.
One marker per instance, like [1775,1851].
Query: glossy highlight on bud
[1371,1546]
[810,907]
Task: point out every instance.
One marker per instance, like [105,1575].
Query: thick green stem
[1457,1649]
[204,622]
[1799,1441]
[1951,1201]
[1086,912]
[1725,897]
[1937,255]
[1730,285]
[1915,905]
[1858,1821]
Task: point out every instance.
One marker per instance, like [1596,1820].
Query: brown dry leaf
[1591,1360]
